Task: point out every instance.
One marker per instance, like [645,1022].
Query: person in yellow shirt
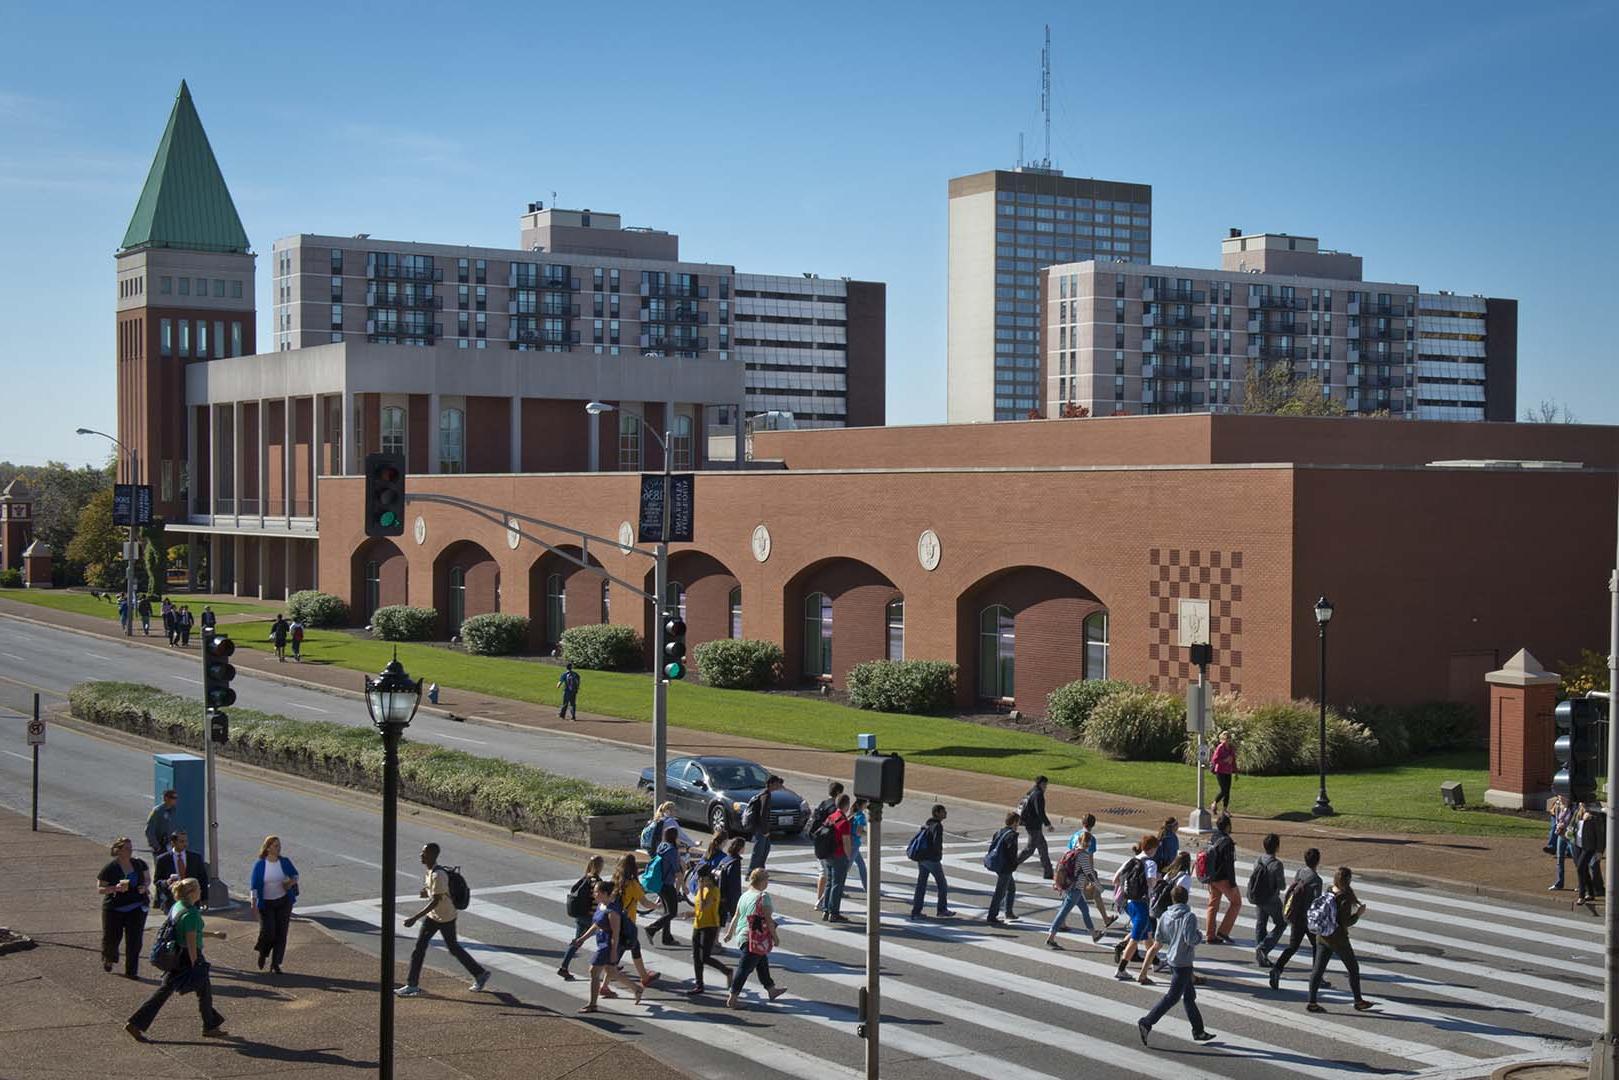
[627,897]
[705,933]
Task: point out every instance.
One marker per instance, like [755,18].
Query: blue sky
[1460,146]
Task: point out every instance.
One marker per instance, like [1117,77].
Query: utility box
[880,778]
[186,774]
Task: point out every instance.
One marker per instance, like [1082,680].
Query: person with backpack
[756,821]
[627,895]
[1074,873]
[729,873]
[1032,813]
[835,864]
[144,609]
[1178,933]
[569,682]
[272,890]
[756,918]
[1590,838]
[705,933]
[662,876]
[1218,871]
[606,922]
[1223,764]
[1133,884]
[278,637]
[1161,899]
[125,887]
[295,634]
[818,816]
[1085,836]
[438,917]
[1169,842]
[926,850]
[1330,918]
[1301,896]
[186,970]
[857,833]
[1001,859]
[187,621]
[582,908]
[1266,881]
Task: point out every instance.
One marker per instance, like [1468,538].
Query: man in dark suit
[176,864]
[1032,813]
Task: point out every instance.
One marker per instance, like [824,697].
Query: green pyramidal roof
[185,203]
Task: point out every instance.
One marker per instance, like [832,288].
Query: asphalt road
[1463,984]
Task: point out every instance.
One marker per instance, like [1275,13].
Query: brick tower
[16,523]
[185,294]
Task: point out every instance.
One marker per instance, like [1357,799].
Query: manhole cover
[1120,811]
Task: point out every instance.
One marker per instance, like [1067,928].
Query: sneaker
[216,1033]
[992,921]
[776,992]
[1259,958]
[1142,1029]
[695,991]
[1202,1036]
[566,975]
[1362,1005]
[1555,888]
[479,983]
[1096,937]
[408,991]
[838,918]
[1313,1007]
[1051,943]
[947,914]
[136,1033]
[1275,979]
[916,916]
[1121,973]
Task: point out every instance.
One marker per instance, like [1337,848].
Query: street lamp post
[1323,615]
[391,699]
[660,587]
[129,561]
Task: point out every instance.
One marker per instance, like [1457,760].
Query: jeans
[1037,842]
[1324,953]
[1300,932]
[581,923]
[761,852]
[570,700]
[1074,897]
[859,862]
[127,927]
[836,870]
[1218,889]
[703,943]
[1182,989]
[750,963]
[1565,851]
[925,867]
[1005,886]
[671,904]
[205,998]
[425,937]
[274,918]
[1270,911]
[1224,798]
[1582,872]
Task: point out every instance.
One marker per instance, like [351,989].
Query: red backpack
[1200,866]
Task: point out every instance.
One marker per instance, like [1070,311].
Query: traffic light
[674,646]
[219,728]
[217,671]
[1576,749]
[384,495]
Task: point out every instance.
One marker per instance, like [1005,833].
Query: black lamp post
[1323,615]
[391,699]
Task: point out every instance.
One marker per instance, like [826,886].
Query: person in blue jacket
[272,890]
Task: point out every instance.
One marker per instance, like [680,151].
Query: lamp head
[392,697]
[1323,611]
[596,408]
[84,431]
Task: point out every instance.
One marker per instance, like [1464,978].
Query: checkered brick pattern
[1215,576]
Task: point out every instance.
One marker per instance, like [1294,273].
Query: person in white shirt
[1134,886]
[438,917]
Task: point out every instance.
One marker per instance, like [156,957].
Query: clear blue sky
[1466,146]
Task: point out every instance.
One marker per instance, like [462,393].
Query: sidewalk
[61,1015]
[1511,866]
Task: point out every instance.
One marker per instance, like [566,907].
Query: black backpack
[1160,898]
[581,898]
[167,955]
[460,891]
[821,834]
[1263,885]
[1133,880]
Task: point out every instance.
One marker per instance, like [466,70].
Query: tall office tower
[1006,226]
[1467,357]
[185,293]
[814,347]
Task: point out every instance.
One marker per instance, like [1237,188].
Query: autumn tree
[1273,390]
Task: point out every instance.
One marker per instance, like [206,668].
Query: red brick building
[1032,554]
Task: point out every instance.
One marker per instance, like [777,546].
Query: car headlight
[803,806]
[736,805]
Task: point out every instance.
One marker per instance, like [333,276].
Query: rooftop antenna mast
[1045,94]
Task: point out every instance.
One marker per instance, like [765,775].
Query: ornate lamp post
[391,699]
[1323,615]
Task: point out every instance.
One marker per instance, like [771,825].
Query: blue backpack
[993,859]
[652,876]
[649,836]
[919,846]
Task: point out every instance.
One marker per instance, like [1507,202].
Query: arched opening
[1024,631]
[378,576]
[894,618]
[997,654]
[699,589]
[842,597]
[733,606]
[563,594]
[817,635]
[466,582]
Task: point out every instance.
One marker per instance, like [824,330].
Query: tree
[1273,390]
[1070,411]
[97,543]
[1550,412]
[60,495]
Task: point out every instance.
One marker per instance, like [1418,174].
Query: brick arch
[1048,611]
[707,583]
[581,592]
[393,577]
[859,593]
[481,574]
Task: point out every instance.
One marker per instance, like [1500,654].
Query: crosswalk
[1464,985]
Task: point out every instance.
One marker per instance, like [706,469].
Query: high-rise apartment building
[1123,338]
[1006,228]
[813,347]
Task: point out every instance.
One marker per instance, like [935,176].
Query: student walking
[437,917]
[1560,827]
[1075,872]
[186,622]
[756,919]
[1032,813]
[144,609]
[173,866]
[160,824]
[627,896]
[124,613]
[1169,841]
[272,890]
[1161,899]
[756,819]
[1590,838]
[836,865]
[1001,859]
[1223,764]
[583,908]
[662,876]
[1221,878]
[1266,881]
[606,923]
[569,681]
[857,833]
[926,849]
[822,840]
[1133,885]
[278,637]
[1178,933]
[728,871]
[1330,918]
[1085,836]
[170,627]
[125,888]
[295,634]
[705,933]
[1301,896]
[191,976]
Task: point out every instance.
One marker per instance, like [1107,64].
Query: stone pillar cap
[1523,670]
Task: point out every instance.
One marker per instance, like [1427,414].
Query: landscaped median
[505,793]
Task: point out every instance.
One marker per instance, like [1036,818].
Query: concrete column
[236,462]
[286,568]
[317,453]
[190,478]
[433,409]
[216,572]
[347,463]
[236,565]
[287,456]
[738,454]
[516,433]
[263,440]
[261,547]
[191,560]
[1523,696]
[213,463]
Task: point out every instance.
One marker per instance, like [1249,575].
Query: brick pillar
[1522,697]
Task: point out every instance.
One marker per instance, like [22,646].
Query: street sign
[132,498]
[36,733]
[682,490]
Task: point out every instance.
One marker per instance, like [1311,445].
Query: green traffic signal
[674,670]
[388,519]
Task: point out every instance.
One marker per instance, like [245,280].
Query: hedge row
[489,789]
[397,622]
[317,610]
[738,663]
[603,647]
[495,634]
[10,579]
[903,686]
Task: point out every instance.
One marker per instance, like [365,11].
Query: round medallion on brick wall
[761,543]
[928,549]
[420,532]
[626,537]
[514,533]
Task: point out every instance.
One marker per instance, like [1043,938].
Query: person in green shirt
[191,976]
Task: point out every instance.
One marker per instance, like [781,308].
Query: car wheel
[718,820]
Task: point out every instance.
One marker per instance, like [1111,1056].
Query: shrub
[494,634]
[1137,724]
[738,663]
[317,609]
[1072,703]
[602,647]
[1281,738]
[397,622]
[506,793]
[1442,725]
[903,686]
[1387,723]
[10,579]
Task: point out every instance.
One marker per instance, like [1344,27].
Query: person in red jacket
[1223,763]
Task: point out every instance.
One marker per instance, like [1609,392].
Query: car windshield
[742,774]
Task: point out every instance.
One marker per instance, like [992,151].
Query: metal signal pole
[1605,1051]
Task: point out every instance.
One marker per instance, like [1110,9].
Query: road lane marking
[13,753]
[311,708]
[457,738]
[189,679]
[14,656]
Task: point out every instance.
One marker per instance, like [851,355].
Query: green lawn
[83,603]
[1401,798]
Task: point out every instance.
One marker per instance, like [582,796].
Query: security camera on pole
[1193,623]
